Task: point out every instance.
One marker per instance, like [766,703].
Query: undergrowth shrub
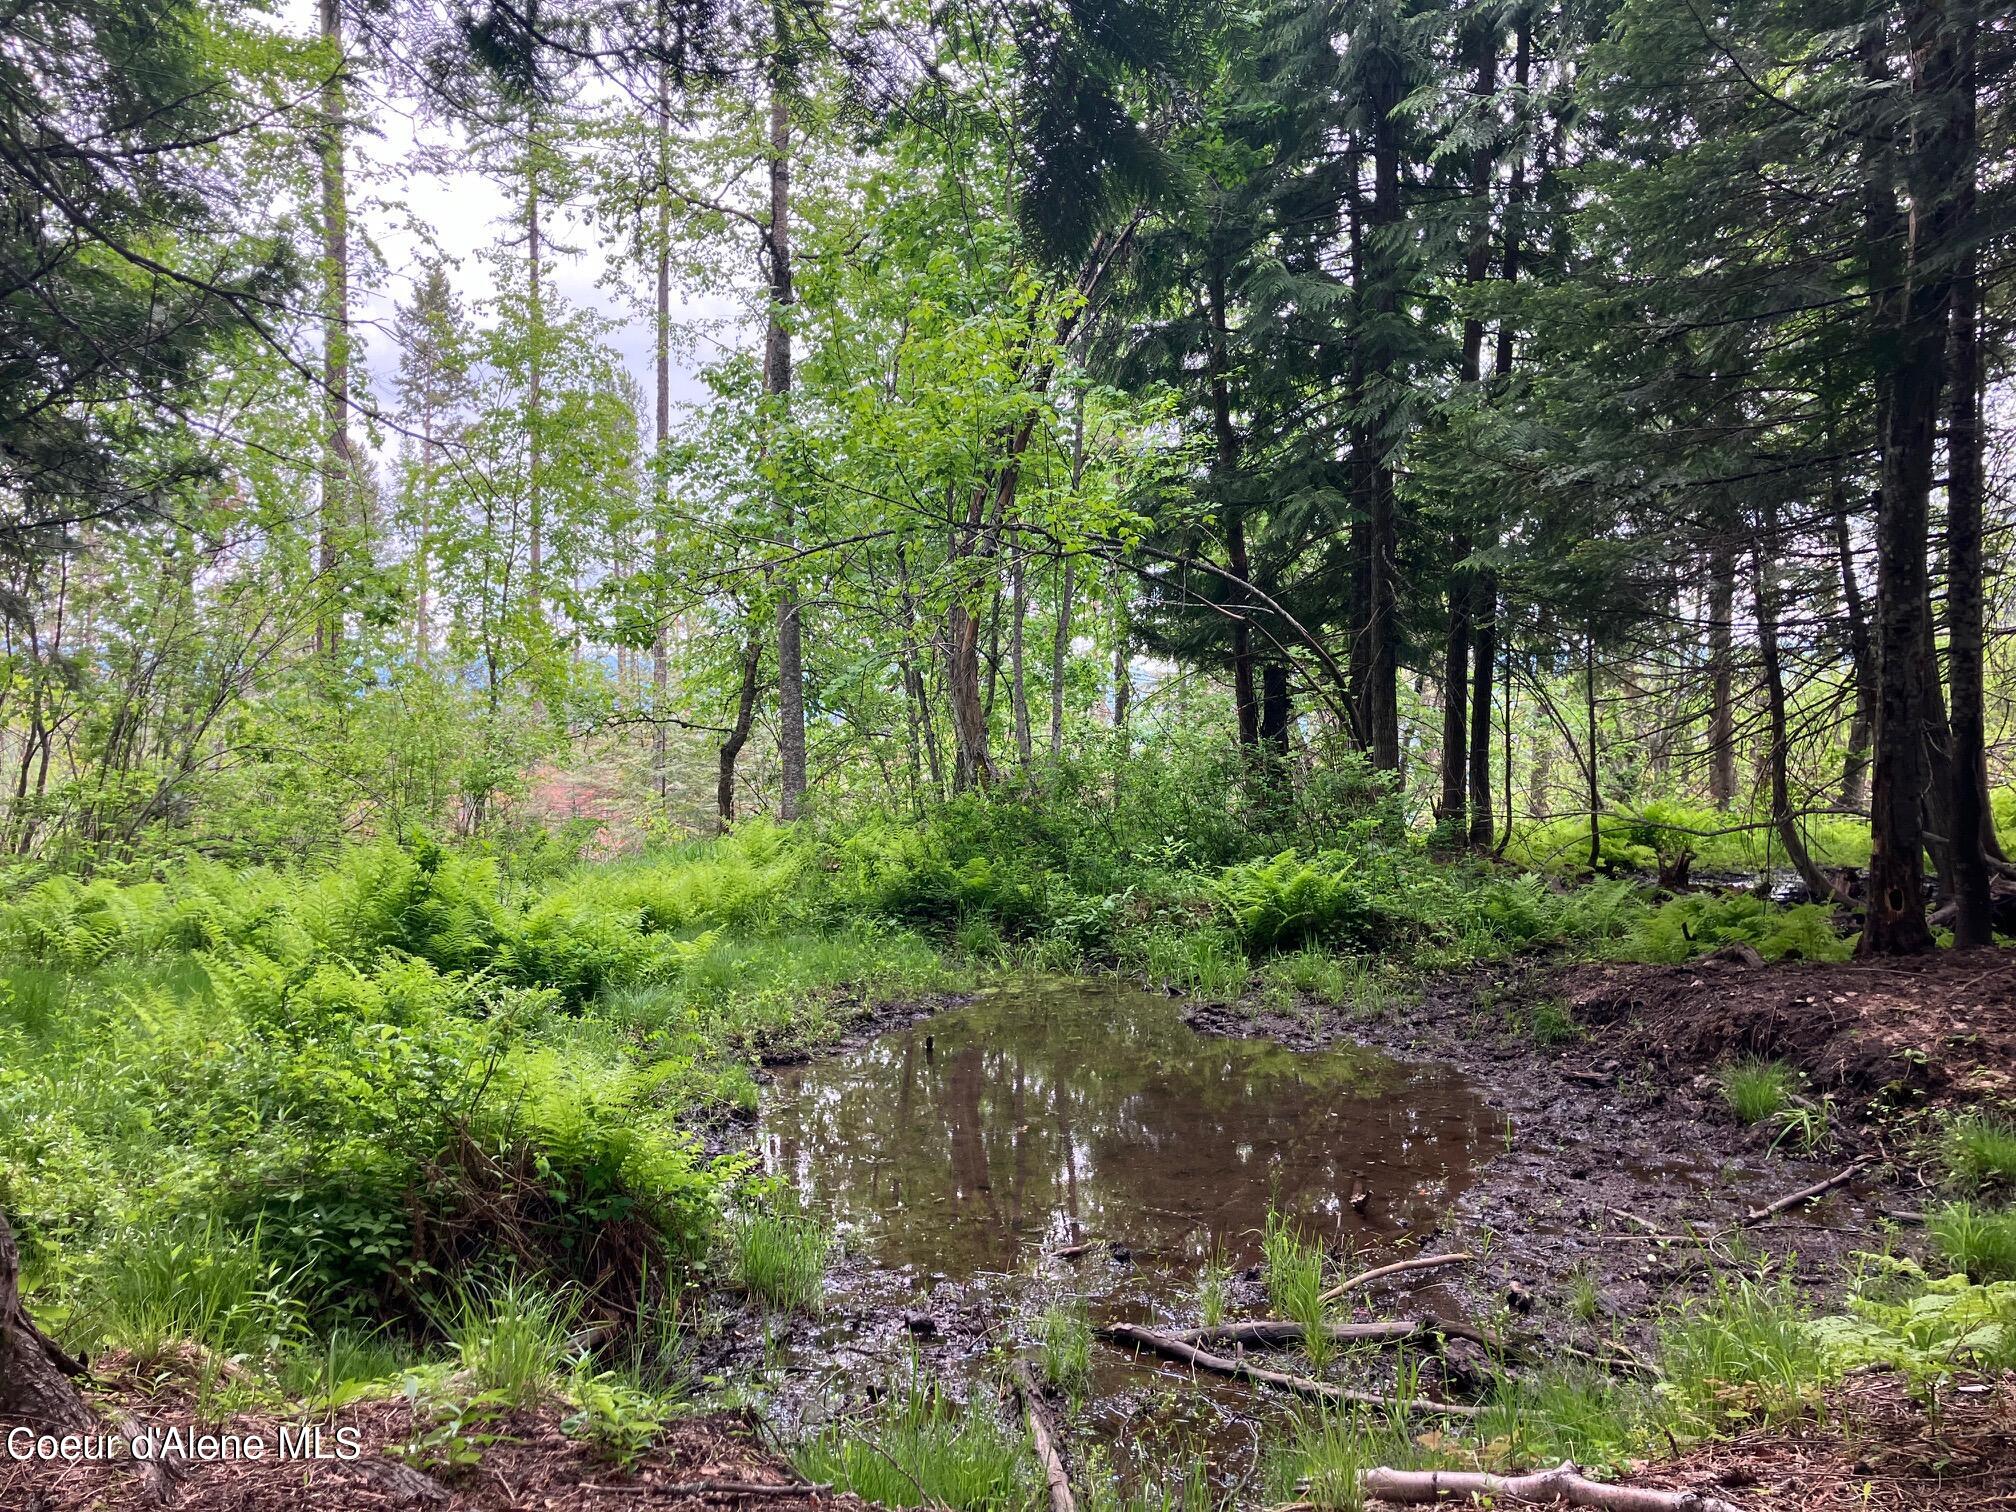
[1698,923]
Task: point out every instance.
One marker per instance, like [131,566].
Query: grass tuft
[1980,1241]
[1295,1286]
[1757,1089]
[925,1450]
[1065,1331]
[1979,1149]
[511,1337]
[781,1258]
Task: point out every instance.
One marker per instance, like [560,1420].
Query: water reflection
[1057,1113]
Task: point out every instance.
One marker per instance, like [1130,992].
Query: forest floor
[713,1462]
[1623,1178]
[1624,1175]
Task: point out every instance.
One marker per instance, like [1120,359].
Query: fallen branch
[1378,1273]
[1562,1484]
[1807,1194]
[1322,1391]
[1046,1448]
[1279,1333]
[725,1488]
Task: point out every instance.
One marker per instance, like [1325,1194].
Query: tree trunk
[1861,656]
[738,733]
[36,1377]
[1226,439]
[1721,674]
[339,457]
[661,762]
[1765,551]
[1060,647]
[1972,819]
[1123,659]
[535,251]
[1459,768]
[1018,685]
[1277,708]
[1384,92]
[1595,787]
[1911,300]
[777,384]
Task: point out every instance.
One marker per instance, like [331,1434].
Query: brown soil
[698,1463]
[1939,1028]
[1876,1450]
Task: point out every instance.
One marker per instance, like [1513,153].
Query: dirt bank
[713,1463]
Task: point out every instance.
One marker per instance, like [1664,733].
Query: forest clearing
[1035,756]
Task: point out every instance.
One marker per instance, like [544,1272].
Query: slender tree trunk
[1765,551]
[1385,89]
[1060,655]
[1721,674]
[1123,656]
[661,481]
[1861,657]
[1595,787]
[1973,824]
[1226,437]
[1018,686]
[738,733]
[535,502]
[1457,765]
[339,457]
[1911,308]
[777,384]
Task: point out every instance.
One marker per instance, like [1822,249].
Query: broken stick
[1322,1391]
[1562,1484]
[1377,1273]
[1807,1194]
[1046,1446]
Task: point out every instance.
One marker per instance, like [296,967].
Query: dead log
[1563,1485]
[1054,1475]
[1143,1339]
[1807,1194]
[1378,1273]
[38,1378]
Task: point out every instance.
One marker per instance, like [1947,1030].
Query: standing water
[959,1155]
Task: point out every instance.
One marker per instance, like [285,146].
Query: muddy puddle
[957,1157]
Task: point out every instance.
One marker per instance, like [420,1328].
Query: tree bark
[1764,552]
[777,384]
[1385,88]
[339,456]
[1018,684]
[738,733]
[1861,657]
[1458,726]
[1911,301]
[1721,674]
[1972,819]
[1060,654]
[1225,438]
[1594,788]
[661,762]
